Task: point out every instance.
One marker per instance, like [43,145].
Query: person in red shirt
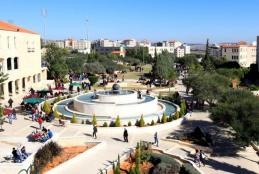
[40,122]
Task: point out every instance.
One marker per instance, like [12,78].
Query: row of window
[15,63]
[234,57]
[11,42]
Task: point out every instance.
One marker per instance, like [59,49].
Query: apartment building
[20,58]
[83,46]
[241,52]
[179,51]
[129,43]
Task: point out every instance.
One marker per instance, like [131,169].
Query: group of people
[19,154]
[200,157]
[42,135]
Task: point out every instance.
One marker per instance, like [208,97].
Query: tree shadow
[223,143]
[227,167]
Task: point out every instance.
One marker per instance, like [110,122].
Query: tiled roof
[10,27]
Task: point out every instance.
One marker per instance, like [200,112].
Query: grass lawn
[136,75]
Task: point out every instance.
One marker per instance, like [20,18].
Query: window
[39,77]
[34,79]
[16,63]
[14,42]
[9,63]
[23,83]
[8,42]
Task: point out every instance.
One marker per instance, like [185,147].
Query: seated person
[16,156]
[50,117]
[24,153]
[50,134]
[61,123]
[44,129]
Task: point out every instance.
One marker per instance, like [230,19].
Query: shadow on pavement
[118,139]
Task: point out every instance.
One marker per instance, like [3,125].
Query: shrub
[158,119]
[45,154]
[56,115]
[137,123]
[141,121]
[94,121]
[46,107]
[170,118]
[118,121]
[112,124]
[82,122]
[183,109]
[188,169]
[1,111]
[74,119]
[93,79]
[105,124]
[176,115]
[129,123]
[164,118]
[59,98]
[152,123]
[63,116]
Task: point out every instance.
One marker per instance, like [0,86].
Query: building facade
[20,58]
[241,52]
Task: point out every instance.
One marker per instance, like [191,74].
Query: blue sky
[186,20]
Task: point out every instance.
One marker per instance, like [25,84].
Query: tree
[1,118]
[118,121]
[117,168]
[141,121]
[94,68]
[94,121]
[137,157]
[162,68]
[239,109]
[152,123]
[75,62]
[93,79]
[164,118]
[74,119]
[46,107]
[158,120]
[105,124]
[129,123]
[55,58]
[183,108]
[3,77]
[56,115]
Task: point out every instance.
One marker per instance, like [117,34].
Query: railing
[29,170]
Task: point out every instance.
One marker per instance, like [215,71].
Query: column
[20,86]
[6,93]
[13,89]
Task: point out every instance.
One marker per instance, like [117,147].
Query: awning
[33,100]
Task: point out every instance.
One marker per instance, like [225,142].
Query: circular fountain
[106,105]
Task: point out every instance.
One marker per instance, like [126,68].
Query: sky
[190,21]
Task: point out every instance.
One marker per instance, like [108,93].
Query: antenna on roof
[44,14]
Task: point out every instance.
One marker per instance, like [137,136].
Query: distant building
[20,58]
[129,43]
[215,50]
[159,50]
[179,51]
[83,46]
[241,52]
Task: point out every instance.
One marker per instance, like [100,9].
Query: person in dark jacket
[125,135]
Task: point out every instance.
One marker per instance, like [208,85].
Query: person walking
[10,102]
[95,131]
[40,122]
[14,114]
[125,135]
[197,157]
[202,157]
[10,118]
[156,139]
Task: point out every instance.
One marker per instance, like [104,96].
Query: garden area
[145,160]
[52,154]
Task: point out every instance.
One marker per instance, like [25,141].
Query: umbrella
[75,84]
[32,100]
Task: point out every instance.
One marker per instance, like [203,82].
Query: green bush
[94,121]
[137,123]
[170,118]
[118,121]
[105,124]
[46,107]
[56,115]
[188,169]
[141,121]
[63,117]
[1,111]
[183,108]
[176,115]
[45,154]
[74,119]
[82,122]
[152,123]
[164,118]
[93,79]
[129,123]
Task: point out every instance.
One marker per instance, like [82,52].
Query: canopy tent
[32,100]
[75,84]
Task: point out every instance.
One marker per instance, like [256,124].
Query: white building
[187,49]
[159,50]
[241,52]
[20,58]
[215,50]
[129,43]
[179,51]
[83,46]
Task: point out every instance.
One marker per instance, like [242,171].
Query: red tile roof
[10,27]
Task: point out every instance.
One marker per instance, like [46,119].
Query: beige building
[241,52]
[20,58]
